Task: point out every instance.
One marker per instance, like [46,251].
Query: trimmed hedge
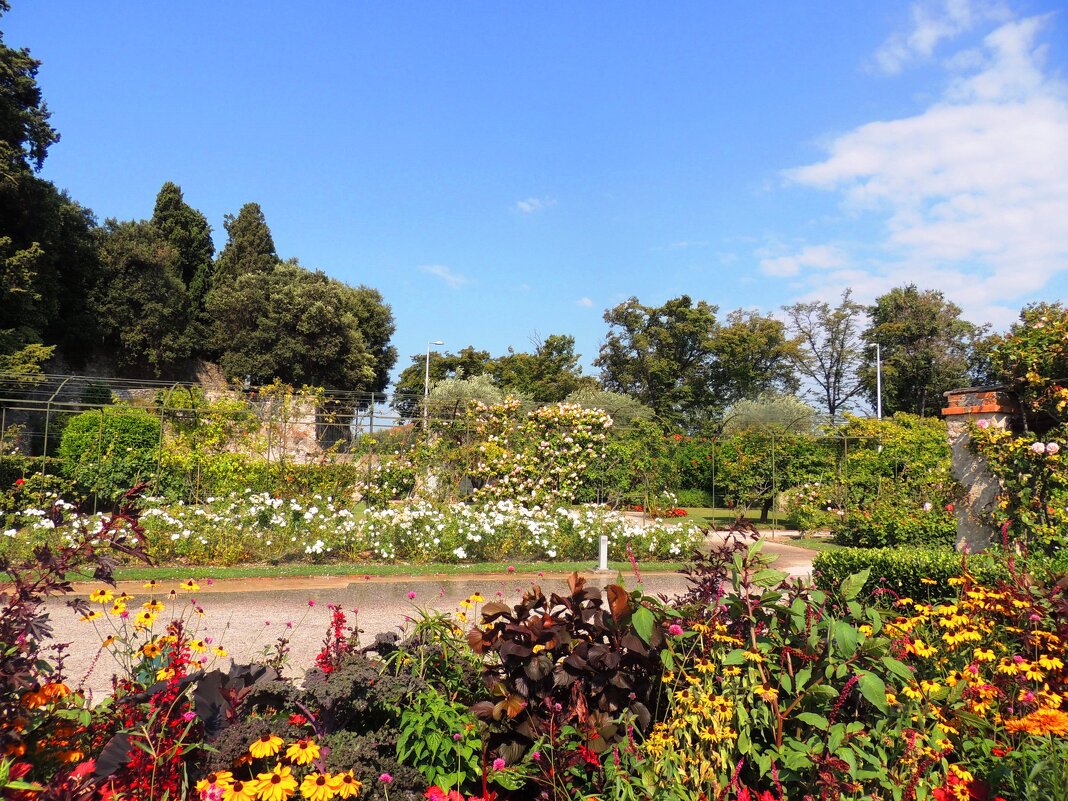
[903,570]
[107,451]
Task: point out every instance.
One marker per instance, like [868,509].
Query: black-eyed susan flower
[278,785]
[190,585]
[220,652]
[266,746]
[303,752]
[102,596]
[319,786]
[348,785]
[150,650]
[92,614]
[247,790]
[153,584]
[144,619]
[153,606]
[216,781]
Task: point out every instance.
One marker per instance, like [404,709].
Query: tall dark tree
[141,299]
[661,355]
[295,325]
[249,247]
[49,251]
[830,351]
[925,349]
[187,231]
[25,133]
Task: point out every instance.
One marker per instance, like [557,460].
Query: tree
[752,357]
[187,231]
[924,349]
[661,355]
[548,375]
[829,350]
[623,409]
[25,133]
[408,393]
[780,412]
[141,301]
[249,247]
[299,326]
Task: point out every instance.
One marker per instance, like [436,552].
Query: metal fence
[282,429]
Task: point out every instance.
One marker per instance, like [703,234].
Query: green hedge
[107,451]
[902,570]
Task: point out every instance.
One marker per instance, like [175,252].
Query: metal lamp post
[426,383]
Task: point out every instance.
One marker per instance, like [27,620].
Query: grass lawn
[363,569]
[816,544]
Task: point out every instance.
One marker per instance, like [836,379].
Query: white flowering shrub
[542,457]
[255,527]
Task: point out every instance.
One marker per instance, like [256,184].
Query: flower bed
[256,527]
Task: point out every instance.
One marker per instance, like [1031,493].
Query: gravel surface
[246,616]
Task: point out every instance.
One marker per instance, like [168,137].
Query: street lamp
[426,381]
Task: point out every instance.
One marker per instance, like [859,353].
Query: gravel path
[245,616]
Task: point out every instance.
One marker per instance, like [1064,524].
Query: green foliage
[386,480]
[897,486]
[548,375]
[678,360]
[694,497]
[143,307]
[1032,502]
[25,133]
[110,450]
[1033,358]
[408,392]
[623,409]
[301,327]
[249,247]
[660,356]
[778,412]
[920,573]
[925,349]
[428,742]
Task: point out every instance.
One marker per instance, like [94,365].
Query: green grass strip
[168,573]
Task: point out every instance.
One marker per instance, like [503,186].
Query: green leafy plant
[440,738]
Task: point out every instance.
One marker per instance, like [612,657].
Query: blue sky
[501,171]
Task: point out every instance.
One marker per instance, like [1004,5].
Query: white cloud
[584,302]
[534,204]
[445,274]
[933,23]
[971,193]
[820,257]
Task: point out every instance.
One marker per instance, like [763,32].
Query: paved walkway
[246,616]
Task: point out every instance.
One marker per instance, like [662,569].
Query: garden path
[245,616]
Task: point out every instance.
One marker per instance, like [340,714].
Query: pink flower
[1052,448]
[457,737]
[209,582]
[385,778]
[675,630]
[411,595]
[1038,447]
[498,764]
[188,716]
[311,602]
[511,568]
[983,424]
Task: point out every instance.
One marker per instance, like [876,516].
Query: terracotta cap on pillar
[981,400]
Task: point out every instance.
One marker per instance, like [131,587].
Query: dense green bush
[694,497]
[921,573]
[894,519]
[107,451]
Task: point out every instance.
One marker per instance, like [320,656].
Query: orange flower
[1041,721]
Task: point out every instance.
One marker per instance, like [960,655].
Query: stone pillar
[1000,408]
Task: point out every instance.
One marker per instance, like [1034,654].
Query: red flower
[949,507]
[589,757]
[19,482]
[297,720]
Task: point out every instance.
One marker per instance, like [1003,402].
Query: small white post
[602,562]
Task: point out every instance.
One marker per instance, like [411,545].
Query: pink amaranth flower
[498,764]
[675,630]
[385,778]
[411,595]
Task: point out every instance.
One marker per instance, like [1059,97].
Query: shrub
[891,520]
[908,572]
[694,498]
[107,451]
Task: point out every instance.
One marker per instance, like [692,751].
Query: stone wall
[999,408]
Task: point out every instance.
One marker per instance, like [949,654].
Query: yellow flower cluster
[279,783]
